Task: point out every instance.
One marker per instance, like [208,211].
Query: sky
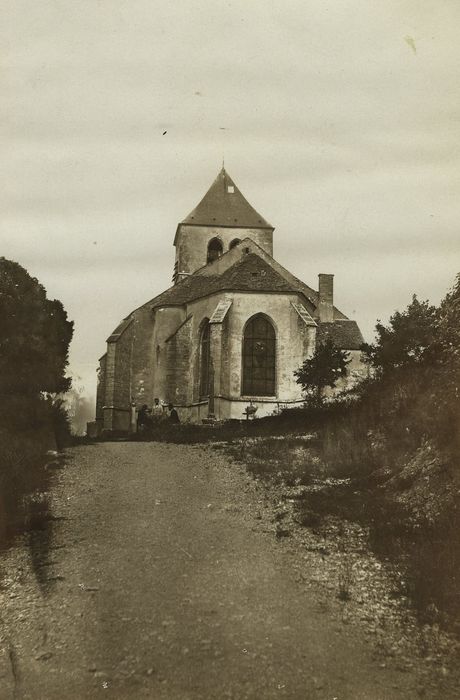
[339,121]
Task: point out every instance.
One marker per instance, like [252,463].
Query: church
[231,330]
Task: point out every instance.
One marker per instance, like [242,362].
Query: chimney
[326,298]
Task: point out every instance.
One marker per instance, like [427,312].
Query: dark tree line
[35,334]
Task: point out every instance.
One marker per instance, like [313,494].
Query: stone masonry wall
[109,381]
[101,388]
[295,340]
[115,416]
[142,390]
[165,323]
[192,243]
[290,343]
[178,377]
[122,380]
[200,310]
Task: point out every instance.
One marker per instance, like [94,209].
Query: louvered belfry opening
[205,359]
[259,358]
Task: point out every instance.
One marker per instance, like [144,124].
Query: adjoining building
[230,331]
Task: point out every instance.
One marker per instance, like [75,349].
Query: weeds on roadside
[288,461]
[345,580]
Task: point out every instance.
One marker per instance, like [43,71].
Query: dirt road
[158,575]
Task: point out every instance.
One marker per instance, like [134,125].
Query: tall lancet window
[205,358]
[259,357]
[215,249]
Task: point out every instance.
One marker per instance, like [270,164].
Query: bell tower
[220,221]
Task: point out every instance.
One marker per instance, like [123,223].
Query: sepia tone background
[339,122]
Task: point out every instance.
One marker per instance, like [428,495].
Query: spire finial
[223,161]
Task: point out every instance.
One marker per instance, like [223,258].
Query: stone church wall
[178,365]
[101,388]
[141,380]
[116,411]
[290,343]
[295,341]
[166,322]
[200,310]
[122,393]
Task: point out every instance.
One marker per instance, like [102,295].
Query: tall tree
[407,341]
[323,369]
[34,336]
[445,385]
[449,323]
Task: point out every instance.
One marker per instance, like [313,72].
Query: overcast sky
[340,122]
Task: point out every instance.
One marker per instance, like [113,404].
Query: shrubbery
[322,370]
[413,393]
[398,437]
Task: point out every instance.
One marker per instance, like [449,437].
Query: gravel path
[159,576]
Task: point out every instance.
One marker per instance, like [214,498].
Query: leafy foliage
[443,383]
[34,341]
[408,340]
[449,324]
[412,397]
[322,370]
[34,337]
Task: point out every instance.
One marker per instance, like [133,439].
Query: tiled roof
[249,274]
[295,283]
[344,334]
[224,205]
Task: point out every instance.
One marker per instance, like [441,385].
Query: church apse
[232,329]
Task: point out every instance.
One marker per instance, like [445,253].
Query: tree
[444,387]
[34,336]
[449,324]
[407,341]
[322,370]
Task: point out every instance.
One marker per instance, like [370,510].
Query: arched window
[215,250]
[234,243]
[205,358]
[259,358]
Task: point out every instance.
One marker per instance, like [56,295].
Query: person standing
[143,418]
[173,415]
[157,410]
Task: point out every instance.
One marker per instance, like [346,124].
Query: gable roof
[344,334]
[229,257]
[248,274]
[254,271]
[224,205]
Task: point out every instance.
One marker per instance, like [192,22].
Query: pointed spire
[224,205]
